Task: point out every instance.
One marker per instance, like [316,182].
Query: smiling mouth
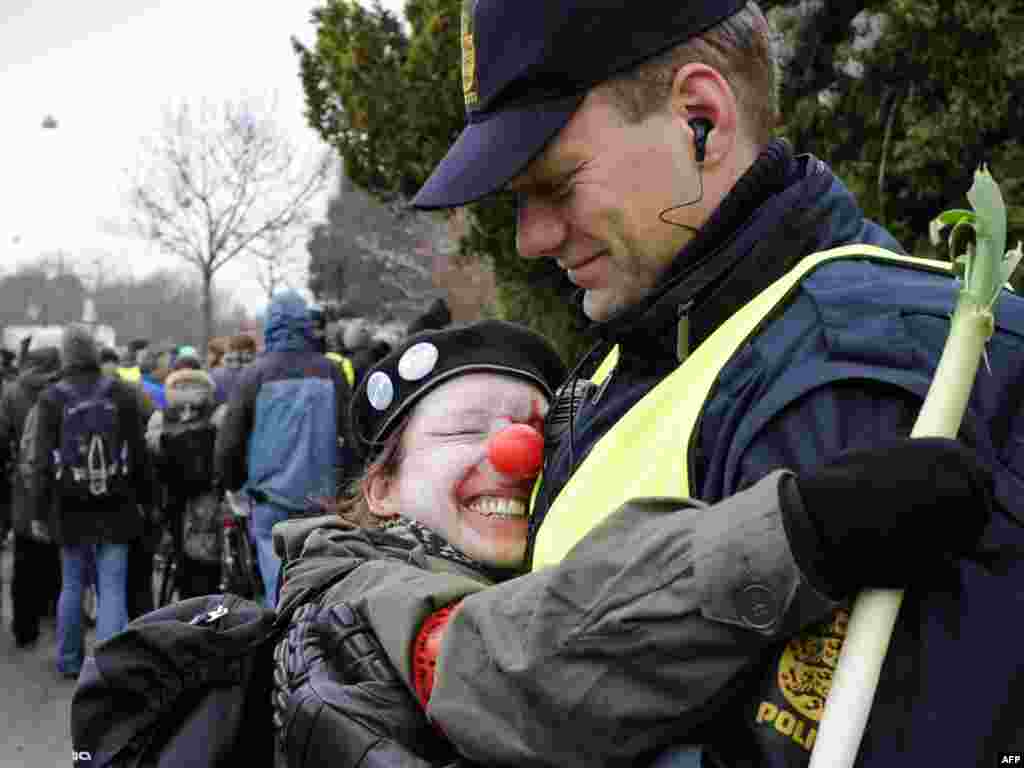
[498,506]
[585,275]
[581,264]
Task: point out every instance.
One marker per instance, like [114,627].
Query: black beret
[426,360]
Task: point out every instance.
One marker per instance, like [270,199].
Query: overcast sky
[105,70]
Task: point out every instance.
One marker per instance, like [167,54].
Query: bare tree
[222,182]
[401,270]
[277,264]
[370,261]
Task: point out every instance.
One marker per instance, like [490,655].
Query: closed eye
[563,193]
[568,183]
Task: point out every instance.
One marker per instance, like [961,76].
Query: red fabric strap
[425,650]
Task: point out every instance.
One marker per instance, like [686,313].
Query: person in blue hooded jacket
[282,429]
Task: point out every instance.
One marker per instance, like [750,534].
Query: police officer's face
[592,201]
[445,480]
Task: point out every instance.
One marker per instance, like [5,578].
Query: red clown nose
[517,450]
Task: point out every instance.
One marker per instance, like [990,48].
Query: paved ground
[36,702]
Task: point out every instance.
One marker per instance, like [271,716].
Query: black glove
[884,517]
[339,703]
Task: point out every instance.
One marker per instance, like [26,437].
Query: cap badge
[380,391]
[417,361]
[470,90]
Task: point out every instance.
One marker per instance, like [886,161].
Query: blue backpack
[92,459]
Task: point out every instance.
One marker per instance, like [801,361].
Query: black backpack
[187,443]
[92,459]
[189,684]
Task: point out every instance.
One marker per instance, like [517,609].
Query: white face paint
[445,480]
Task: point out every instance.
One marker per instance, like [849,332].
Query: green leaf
[985,270]
[961,258]
[954,215]
[987,200]
[951,218]
[1010,262]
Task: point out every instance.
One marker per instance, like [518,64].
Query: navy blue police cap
[527,66]
[426,360]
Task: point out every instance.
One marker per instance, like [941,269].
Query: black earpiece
[701,128]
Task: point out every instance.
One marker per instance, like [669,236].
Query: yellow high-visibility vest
[644,453]
[345,366]
[131,375]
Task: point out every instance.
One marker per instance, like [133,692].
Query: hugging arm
[340,695]
[642,634]
[638,638]
[324,718]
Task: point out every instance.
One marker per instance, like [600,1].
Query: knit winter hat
[78,348]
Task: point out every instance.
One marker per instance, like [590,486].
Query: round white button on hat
[418,361]
[380,391]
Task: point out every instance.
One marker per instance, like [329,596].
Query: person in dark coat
[7,377]
[35,580]
[241,350]
[190,399]
[101,527]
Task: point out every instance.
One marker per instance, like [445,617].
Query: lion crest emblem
[808,663]
[470,90]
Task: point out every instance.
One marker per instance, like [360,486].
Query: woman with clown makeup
[450,424]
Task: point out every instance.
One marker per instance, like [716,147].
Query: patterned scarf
[437,546]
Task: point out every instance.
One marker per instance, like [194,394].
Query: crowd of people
[176,430]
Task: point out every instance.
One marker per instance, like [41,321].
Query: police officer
[762,347]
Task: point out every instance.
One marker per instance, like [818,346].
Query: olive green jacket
[630,644]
